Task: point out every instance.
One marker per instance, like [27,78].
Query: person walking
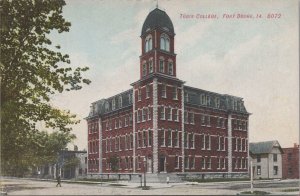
[58,181]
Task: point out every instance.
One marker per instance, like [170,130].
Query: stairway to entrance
[157,178]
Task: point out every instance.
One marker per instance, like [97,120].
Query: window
[120,102]
[144,139]
[139,94]
[116,123]
[162,113]
[275,170]
[110,144]
[139,139]
[176,114]
[186,97]
[192,163]
[147,91]
[176,162]
[238,144]
[130,97]
[126,120]
[203,162]
[106,106]
[107,125]
[164,91]
[208,163]
[192,118]
[207,142]
[120,148]
[217,102]
[163,135]
[185,140]
[208,121]
[186,162]
[113,103]
[275,157]
[185,117]
[175,94]
[149,113]
[202,99]
[138,116]
[202,120]
[169,114]
[120,123]
[161,66]
[169,143]
[193,140]
[258,159]
[150,66]
[144,114]
[203,142]
[164,42]
[130,119]
[170,68]
[148,44]
[144,69]
[219,163]
[126,140]
[149,138]
[289,156]
[131,141]
[176,140]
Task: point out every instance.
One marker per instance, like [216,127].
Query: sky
[254,58]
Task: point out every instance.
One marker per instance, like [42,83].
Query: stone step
[157,178]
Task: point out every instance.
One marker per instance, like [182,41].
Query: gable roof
[264,147]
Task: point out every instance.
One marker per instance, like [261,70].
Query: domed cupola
[157,38]
[158,19]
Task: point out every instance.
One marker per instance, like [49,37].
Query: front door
[162,164]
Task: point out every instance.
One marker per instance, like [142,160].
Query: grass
[254,193]
[290,190]
[217,180]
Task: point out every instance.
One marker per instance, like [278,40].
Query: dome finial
[156,3]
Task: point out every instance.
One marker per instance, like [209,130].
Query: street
[14,186]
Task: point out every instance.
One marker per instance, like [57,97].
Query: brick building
[159,120]
[290,162]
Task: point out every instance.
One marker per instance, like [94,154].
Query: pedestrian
[58,181]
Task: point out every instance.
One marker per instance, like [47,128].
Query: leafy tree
[31,70]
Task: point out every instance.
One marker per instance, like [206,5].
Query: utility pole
[251,171]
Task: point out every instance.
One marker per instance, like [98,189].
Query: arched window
[164,42]
[148,44]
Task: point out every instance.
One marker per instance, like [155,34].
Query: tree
[31,70]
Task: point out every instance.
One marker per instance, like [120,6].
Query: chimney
[75,148]
[295,145]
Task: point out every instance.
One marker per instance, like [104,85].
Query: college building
[161,125]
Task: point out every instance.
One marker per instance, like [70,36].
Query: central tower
[158,99]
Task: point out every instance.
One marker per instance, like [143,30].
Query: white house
[266,159]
